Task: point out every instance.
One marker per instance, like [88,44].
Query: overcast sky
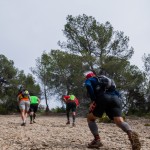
[28,27]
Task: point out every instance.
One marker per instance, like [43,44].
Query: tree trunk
[47,107]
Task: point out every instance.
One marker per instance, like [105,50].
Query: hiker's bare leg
[31,117]
[23,115]
[68,116]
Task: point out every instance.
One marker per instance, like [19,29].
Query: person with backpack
[71,105]
[34,102]
[23,99]
[105,99]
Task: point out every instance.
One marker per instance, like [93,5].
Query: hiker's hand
[64,100]
[92,106]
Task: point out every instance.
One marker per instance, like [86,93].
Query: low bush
[3,110]
[58,110]
[105,118]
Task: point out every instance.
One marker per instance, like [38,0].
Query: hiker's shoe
[23,124]
[135,142]
[95,144]
[68,122]
[34,121]
[73,124]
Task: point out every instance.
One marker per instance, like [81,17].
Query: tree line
[13,79]
[89,45]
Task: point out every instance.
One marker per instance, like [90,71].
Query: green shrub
[147,124]
[58,110]
[105,118]
[3,110]
[124,116]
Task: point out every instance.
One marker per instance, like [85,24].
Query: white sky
[28,27]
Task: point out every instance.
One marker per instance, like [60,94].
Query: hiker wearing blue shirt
[105,99]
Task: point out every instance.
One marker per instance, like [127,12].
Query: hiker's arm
[39,101]
[90,90]
[29,98]
[92,106]
[64,100]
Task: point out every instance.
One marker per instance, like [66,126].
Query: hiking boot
[34,121]
[95,144]
[23,124]
[68,122]
[134,139]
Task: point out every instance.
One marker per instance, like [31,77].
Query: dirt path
[51,133]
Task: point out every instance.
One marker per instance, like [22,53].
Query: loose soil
[51,133]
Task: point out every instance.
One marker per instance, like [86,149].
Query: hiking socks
[31,118]
[73,117]
[24,120]
[97,137]
[93,127]
[34,115]
[129,133]
[23,123]
[124,126]
[68,116]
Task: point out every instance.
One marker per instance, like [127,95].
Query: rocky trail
[51,133]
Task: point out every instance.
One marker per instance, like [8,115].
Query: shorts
[33,108]
[71,106]
[24,105]
[109,104]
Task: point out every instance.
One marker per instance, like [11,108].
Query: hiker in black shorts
[34,103]
[105,99]
[71,105]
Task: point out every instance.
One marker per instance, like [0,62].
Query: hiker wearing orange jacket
[23,99]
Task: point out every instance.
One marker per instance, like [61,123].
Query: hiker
[71,104]
[105,99]
[34,102]
[23,99]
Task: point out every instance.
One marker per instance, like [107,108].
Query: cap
[89,74]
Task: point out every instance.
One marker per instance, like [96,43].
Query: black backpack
[104,83]
[108,85]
